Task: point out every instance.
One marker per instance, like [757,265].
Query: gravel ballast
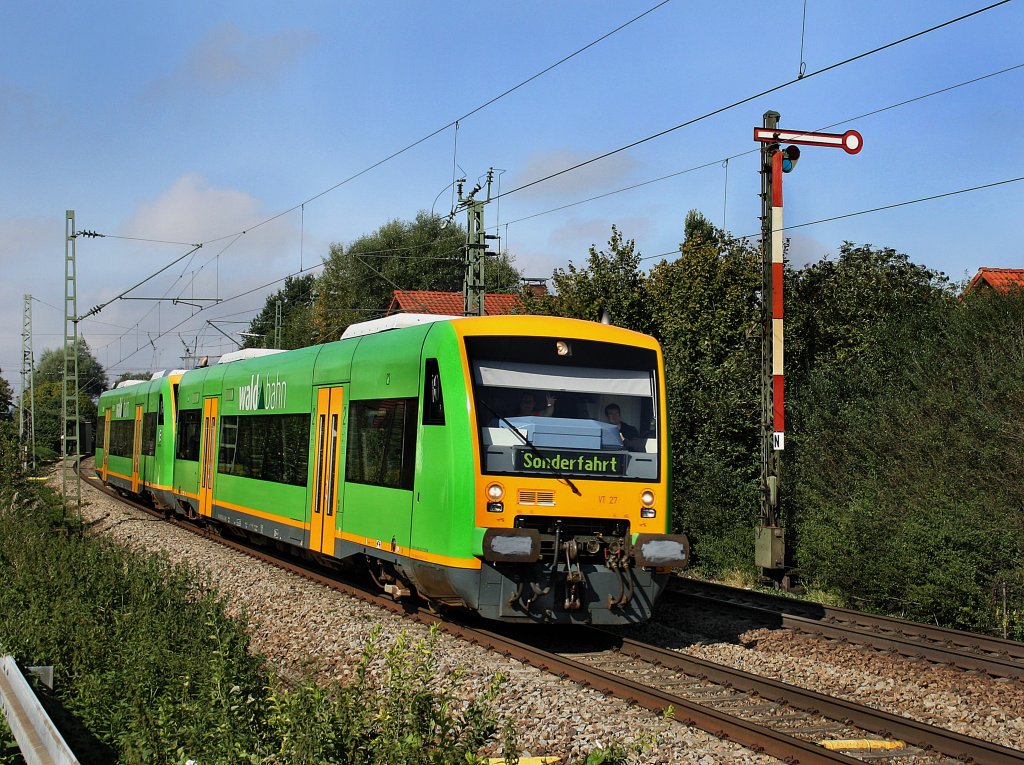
[301,626]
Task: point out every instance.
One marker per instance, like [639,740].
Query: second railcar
[135,448]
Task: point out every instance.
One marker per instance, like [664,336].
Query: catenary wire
[439,130]
[846,121]
[894,205]
[643,140]
[748,99]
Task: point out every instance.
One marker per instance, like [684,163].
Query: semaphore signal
[769,538]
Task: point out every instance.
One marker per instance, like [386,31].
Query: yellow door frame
[208,457]
[136,448]
[106,444]
[323,521]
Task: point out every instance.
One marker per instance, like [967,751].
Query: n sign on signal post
[770,550]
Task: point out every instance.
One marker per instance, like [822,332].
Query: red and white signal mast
[769,536]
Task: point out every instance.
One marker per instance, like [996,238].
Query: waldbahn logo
[272,394]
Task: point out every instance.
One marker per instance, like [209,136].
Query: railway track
[964,650]
[762,714]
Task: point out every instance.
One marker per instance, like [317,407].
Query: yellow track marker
[861,744]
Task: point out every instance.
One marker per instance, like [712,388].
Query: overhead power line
[892,206]
[587,162]
[473,111]
[748,99]
[903,204]
[453,123]
[737,155]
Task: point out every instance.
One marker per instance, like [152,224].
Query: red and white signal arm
[851,141]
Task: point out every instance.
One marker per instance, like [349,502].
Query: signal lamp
[790,156]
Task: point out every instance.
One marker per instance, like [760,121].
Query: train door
[137,448]
[323,522]
[106,444]
[208,457]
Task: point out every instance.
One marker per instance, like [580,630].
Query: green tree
[131,376]
[296,298]
[611,281]
[836,310]
[49,394]
[6,398]
[358,281]
[92,377]
[910,493]
[705,308]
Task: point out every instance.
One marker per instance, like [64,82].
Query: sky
[268,131]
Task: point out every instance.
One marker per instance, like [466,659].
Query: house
[1000,280]
[451,303]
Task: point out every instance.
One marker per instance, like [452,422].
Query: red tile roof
[1002,280]
[450,303]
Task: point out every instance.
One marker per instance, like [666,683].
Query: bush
[153,669]
[909,495]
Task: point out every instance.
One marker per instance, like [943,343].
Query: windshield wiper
[533,450]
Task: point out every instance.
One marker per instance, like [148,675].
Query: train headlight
[647,500]
[495,492]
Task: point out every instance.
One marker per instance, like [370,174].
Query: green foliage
[149,664]
[49,401]
[6,398]
[92,377]
[49,395]
[704,305]
[9,752]
[910,489]
[838,310]
[131,376]
[611,281]
[11,479]
[296,299]
[359,280]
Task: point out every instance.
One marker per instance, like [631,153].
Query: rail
[965,650]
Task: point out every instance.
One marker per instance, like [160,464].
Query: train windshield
[575,407]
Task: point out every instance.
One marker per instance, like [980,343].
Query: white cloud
[228,57]
[598,177]
[192,210]
[189,210]
[804,250]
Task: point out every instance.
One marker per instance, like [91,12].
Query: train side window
[433,398]
[149,434]
[160,410]
[381,448]
[122,435]
[266,447]
[187,442]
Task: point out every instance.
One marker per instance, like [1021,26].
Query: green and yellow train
[405,448]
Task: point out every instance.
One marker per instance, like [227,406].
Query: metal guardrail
[37,737]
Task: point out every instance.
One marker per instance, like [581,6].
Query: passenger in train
[527,406]
[630,436]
